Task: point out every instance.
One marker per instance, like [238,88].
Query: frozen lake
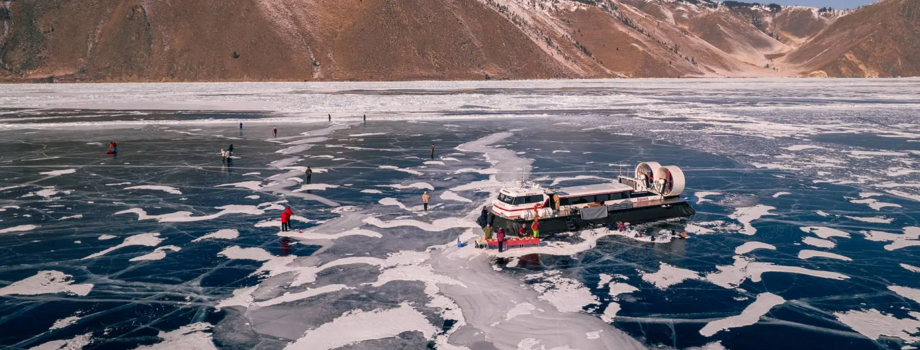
[807,232]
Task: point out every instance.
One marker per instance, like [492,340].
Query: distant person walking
[432,151]
[230,151]
[309,173]
[275,132]
[286,219]
[365,118]
[501,239]
[223,155]
[425,199]
[113,148]
[330,117]
[241,126]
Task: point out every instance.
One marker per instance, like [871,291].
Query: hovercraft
[652,194]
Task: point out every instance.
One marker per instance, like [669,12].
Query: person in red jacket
[286,219]
[501,239]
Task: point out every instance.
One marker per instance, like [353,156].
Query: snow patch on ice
[731,276]
[489,171]
[435,226]
[58,172]
[566,294]
[748,247]
[911,268]
[824,232]
[778,194]
[64,322]
[907,292]
[186,216]
[808,254]
[157,254]
[309,293]
[817,242]
[451,196]
[802,147]
[315,187]
[392,202]
[910,237]
[874,203]
[872,220]
[186,337]
[19,228]
[418,185]
[874,324]
[75,343]
[748,214]
[357,326]
[144,239]
[315,235]
[392,167]
[46,282]
[521,309]
[167,189]
[668,275]
[227,233]
[749,316]
[701,196]
[252,185]
[372,191]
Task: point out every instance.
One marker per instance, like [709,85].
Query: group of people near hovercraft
[501,235]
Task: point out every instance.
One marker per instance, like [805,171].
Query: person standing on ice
[330,117]
[487,231]
[432,151]
[230,151]
[223,156]
[309,173]
[286,219]
[484,217]
[241,126]
[501,239]
[425,199]
[275,132]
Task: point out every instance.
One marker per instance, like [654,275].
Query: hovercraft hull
[574,222]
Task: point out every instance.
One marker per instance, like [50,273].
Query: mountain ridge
[351,40]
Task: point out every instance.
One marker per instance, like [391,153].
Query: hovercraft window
[519,200]
[527,200]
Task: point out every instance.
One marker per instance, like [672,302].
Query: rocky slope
[307,40]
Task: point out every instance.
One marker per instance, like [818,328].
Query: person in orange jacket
[286,219]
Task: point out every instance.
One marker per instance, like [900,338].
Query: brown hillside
[798,24]
[881,40]
[198,40]
[298,40]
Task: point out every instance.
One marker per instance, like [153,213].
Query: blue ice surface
[132,301]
